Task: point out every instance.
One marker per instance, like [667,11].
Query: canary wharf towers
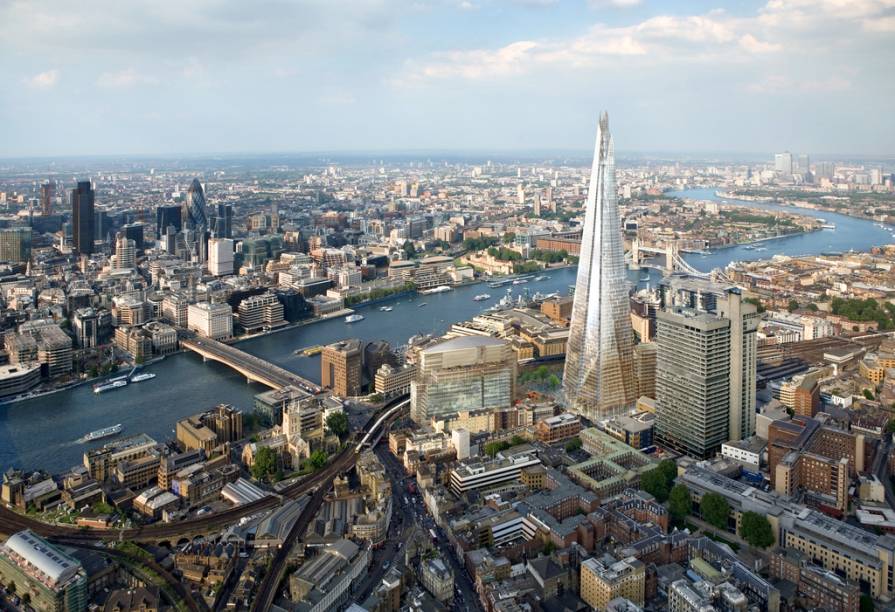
[598,379]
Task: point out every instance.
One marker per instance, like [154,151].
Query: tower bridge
[674,262]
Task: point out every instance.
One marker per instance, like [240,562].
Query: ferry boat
[310,351]
[421,305]
[115,383]
[482,297]
[540,278]
[354,318]
[385,309]
[141,377]
[106,432]
[520,281]
[498,284]
[828,226]
[439,289]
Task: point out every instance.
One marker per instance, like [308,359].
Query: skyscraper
[82,217]
[47,195]
[706,366]
[598,379]
[195,219]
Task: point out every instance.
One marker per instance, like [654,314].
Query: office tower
[469,373]
[15,244]
[341,367]
[536,207]
[125,253]
[135,232]
[598,379]
[213,321]
[166,216]
[520,194]
[645,355]
[194,218]
[222,221]
[705,366]
[47,195]
[102,224]
[82,217]
[825,169]
[260,312]
[220,256]
[783,164]
[802,164]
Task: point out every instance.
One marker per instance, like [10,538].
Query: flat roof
[464,342]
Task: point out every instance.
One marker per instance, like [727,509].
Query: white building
[213,321]
[220,256]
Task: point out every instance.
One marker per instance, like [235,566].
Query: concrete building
[468,373]
[481,474]
[15,244]
[208,429]
[437,578]
[393,380]
[341,367]
[706,367]
[52,579]
[558,428]
[326,581]
[220,256]
[604,579]
[261,312]
[645,356]
[213,321]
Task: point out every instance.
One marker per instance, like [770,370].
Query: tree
[715,510]
[265,463]
[654,483]
[755,529]
[492,448]
[573,444]
[669,471]
[793,305]
[26,599]
[517,440]
[409,249]
[890,427]
[376,398]
[867,604]
[679,504]
[868,394]
[11,587]
[317,459]
[337,423]
[509,237]
[756,302]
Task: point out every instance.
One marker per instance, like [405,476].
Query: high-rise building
[47,195]
[82,217]
[598,378]
[261,312]
[220,256]
[166,216]
[341,367]
[705,366]
[15,244]
[645,368]
[469,373]
[194,218]
[222,221]
[783,164]
[125,253]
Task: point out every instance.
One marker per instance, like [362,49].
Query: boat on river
[105,432]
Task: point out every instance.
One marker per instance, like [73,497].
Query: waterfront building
[101,462]
[604,579]
[85,324]
[220,256]
[53,346]
[393,380]
[16,379]
[341,367]
[83,218]
[15,244]
[213,321]
[259,312]
[468,373]
[598,380]
[53,580]
[207,430]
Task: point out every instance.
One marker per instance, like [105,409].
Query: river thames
[42,432]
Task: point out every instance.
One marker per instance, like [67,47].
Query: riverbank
[802,205]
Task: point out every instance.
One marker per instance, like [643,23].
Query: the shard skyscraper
[598,380]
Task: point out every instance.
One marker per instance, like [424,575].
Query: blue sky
[196,76]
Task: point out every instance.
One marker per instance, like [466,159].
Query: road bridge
[253,368]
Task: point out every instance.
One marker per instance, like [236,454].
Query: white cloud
[753,45]
[43,80]
[615,3]
[129,77]
[880,24]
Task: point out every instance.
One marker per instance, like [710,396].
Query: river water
[42,432]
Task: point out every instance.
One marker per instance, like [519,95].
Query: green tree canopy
[492,448]
[654,483]
[679,504]
[755,529]
[793,305]
[573,444]
[317,459]
[715,510]
[265,463]
[337,423]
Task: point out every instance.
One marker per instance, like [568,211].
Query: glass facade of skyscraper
[598,380]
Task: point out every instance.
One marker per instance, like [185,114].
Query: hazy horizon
[165,78]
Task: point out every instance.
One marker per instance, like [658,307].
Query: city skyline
[466,75]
